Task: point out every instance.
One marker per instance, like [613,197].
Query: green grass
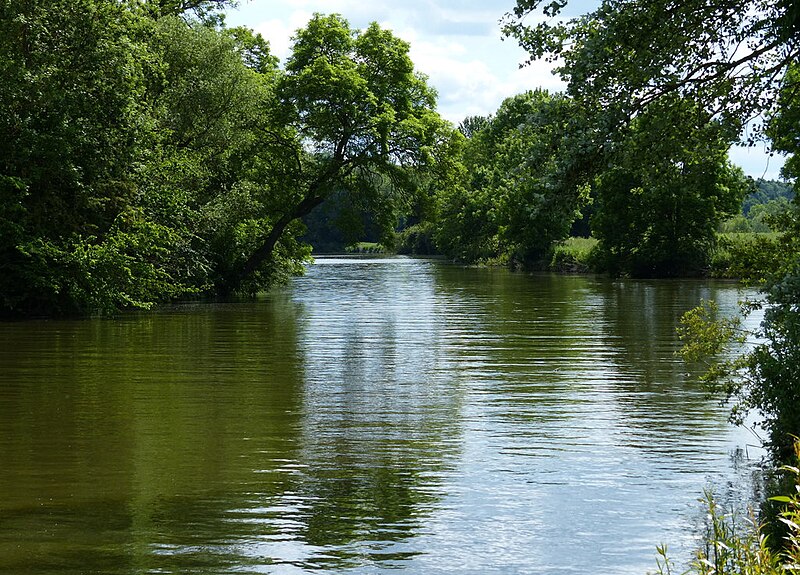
[366,248]
[573,255]
[748,236]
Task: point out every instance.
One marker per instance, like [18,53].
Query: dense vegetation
[132,172]
[149,153]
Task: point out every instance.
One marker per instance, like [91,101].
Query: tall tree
[524,187]
[209,173]
[147,153]
[131,170]
[694,73]
[665,191]
[353,116]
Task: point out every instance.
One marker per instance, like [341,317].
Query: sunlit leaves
[728,56]
[522,194]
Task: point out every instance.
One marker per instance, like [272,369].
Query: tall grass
[573,255]
[738,545]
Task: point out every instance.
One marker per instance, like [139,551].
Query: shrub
[747,256]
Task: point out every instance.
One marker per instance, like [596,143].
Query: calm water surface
[375,415]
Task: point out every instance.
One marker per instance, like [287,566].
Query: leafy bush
[417,240]
[744,255]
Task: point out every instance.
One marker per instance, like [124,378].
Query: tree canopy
[667,187]
[520,194]
[730,57]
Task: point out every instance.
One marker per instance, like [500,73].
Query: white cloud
[471,83]
[280,31]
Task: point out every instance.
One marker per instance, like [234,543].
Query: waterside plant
[736,544]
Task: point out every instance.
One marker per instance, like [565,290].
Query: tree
[524,189]
[132,171]
[666,88]
[352,115]
[212,173]
[668,187]
[729,57]
[471,125]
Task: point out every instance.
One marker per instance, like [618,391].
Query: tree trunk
[264,252]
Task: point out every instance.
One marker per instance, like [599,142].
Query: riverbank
[736,256]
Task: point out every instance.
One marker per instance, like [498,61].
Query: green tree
[214,173]
[471,125]
[132,171]
[206,11]
[669,187]
[524,190]
[667,89]
[351,115]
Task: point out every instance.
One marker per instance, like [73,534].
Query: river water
[376,415]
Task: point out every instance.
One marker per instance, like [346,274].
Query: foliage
[72,121]
[737,545]
[760,208]
[471,125]
[785,121]
[216,172]
[746,256]
[668,186]
[205,11]
[417,240]
[148,153]
[340,222]
[366,248]
[665,90]
[764,379]
[353,116]
[521,195]
[766,192]
[727,57]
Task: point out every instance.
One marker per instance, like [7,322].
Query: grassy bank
[573,255]
[737,255]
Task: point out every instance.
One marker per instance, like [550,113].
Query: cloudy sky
[457,43]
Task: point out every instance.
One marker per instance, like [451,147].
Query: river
[376,415]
